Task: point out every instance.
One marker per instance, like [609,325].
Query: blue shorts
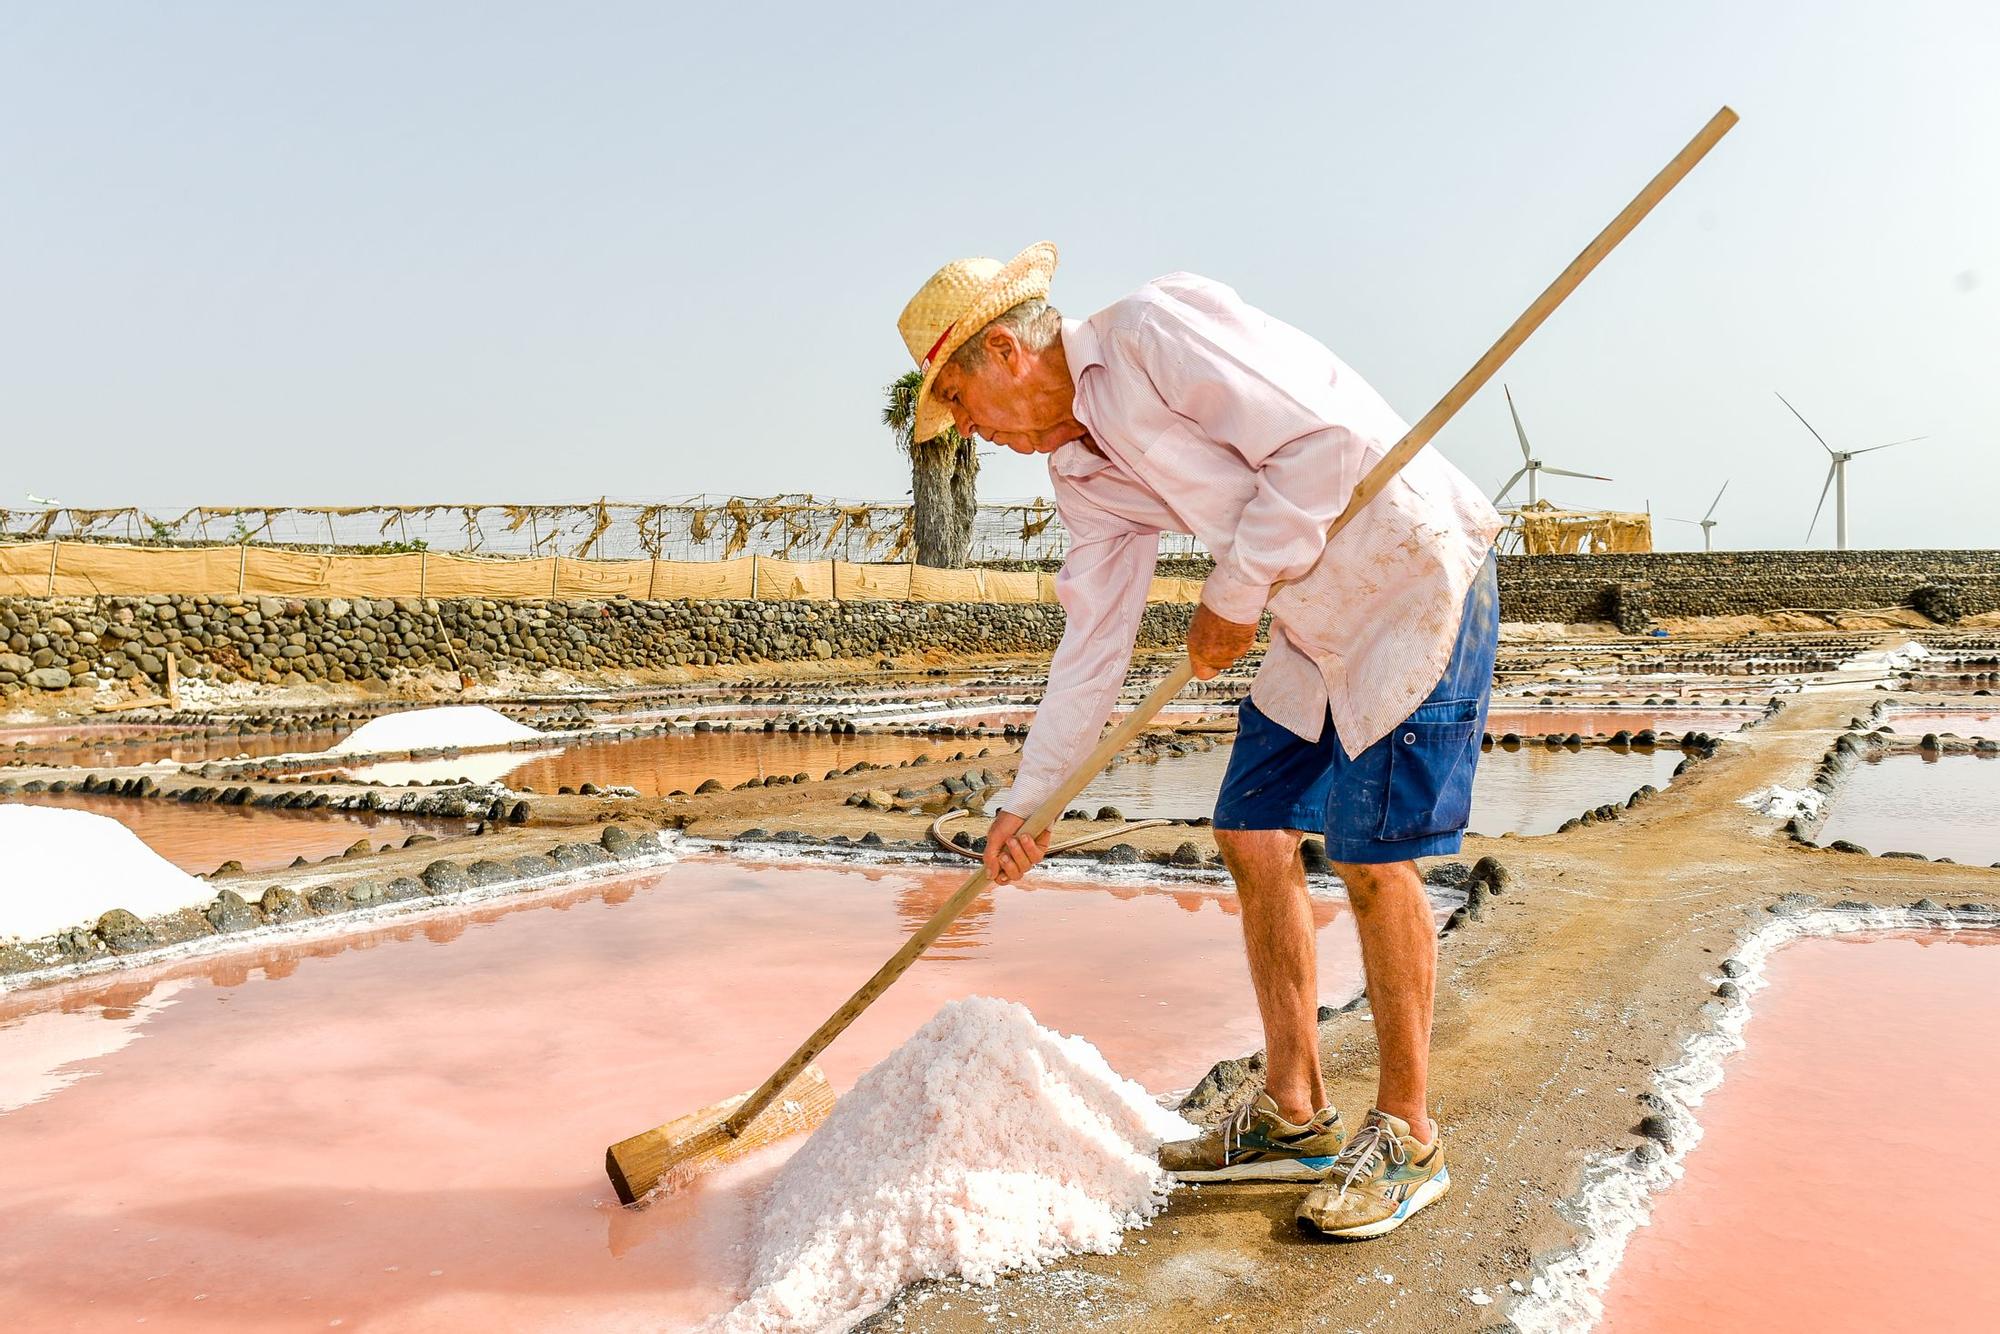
[1408,795]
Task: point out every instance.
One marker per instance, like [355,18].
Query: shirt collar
[1080,347]
[1082,350]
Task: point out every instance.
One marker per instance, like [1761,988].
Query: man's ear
[1002,346]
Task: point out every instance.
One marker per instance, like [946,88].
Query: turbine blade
[1832,468]
[1565,472]
[1519,434]
[1872,448]
[1671,519]
[1803,422]
[1510,485]
[1713,503]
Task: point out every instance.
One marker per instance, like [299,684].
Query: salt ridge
[984,1144]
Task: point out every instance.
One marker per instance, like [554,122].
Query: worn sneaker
[1258,1144]
[1382,1177]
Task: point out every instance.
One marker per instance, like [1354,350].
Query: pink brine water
[403,1129]
[1848,1177]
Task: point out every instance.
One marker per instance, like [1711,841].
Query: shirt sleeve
[1103,586]
[1213,364]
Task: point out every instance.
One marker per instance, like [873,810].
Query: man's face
[1006,400]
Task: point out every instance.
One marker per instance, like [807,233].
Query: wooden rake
[797,1096]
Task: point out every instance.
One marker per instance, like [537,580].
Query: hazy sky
[277,252]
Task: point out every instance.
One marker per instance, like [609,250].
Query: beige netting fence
[69,569]
[692,528]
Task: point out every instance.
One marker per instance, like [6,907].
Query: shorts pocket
[1431,762]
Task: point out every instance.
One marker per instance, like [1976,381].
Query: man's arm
[1103,587]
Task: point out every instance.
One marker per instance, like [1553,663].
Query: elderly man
[1182,409]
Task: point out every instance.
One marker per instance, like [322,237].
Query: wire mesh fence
[696,528]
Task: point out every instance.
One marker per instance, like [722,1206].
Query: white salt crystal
[1783,802]
[65,868]
[984,1144]
[422,729]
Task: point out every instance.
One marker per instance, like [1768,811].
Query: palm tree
[943,472]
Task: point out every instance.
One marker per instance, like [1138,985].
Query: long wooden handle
[1539,310]
[1370,486]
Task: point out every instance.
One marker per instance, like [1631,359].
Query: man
[1180,408]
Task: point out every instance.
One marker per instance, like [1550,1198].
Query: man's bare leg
[1279,939]
[1399,956]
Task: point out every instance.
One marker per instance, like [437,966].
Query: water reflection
[1940,806]
[1527,791]
[199,838]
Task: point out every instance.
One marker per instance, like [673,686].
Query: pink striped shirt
[1212,418]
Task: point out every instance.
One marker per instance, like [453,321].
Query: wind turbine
[1836,476]
[1532,465]
[1707,521]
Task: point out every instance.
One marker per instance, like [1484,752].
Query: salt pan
[461,725]
[65,868]
[985,1143]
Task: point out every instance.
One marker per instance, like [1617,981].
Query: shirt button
[1409,738]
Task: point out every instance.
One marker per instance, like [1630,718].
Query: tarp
[702,579]
[24,568]
[1174,590]
[793,580]
[305,575]
[84,569]
[89,568]
[1012,585]
[856,582]
[931,585]
[603,578]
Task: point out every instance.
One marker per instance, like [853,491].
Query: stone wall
[1630,589]
[49,644]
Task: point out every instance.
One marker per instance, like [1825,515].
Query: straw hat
[959,300]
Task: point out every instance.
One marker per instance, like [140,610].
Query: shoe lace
[1358,1159]
[1233,1128]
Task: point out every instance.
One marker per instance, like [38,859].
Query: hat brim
[1026,277]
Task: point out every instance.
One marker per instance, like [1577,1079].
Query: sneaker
[1382,1177]
[1258,1144]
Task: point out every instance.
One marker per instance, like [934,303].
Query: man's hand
[1214,644]
[1010,854]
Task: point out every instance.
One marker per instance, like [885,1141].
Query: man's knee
[1256,857]
[1369,883]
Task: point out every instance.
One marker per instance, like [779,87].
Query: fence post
[754,562]
[555,574]
[242,562]
[423,567]
[55,545]
[833,579]
[652,576]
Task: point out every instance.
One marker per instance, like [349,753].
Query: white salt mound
[459,725]
[1784,802]
[64,868]
[985,1143]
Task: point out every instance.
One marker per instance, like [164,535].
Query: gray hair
[1034,322]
